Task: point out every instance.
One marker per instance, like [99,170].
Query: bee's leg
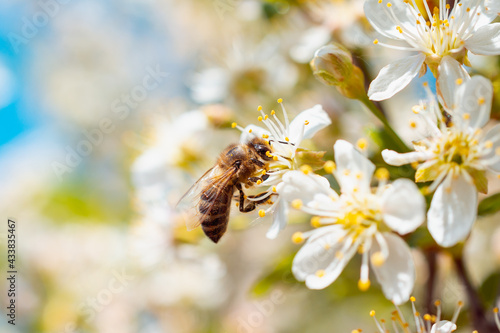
[251,204]
[259,163]
[261,178]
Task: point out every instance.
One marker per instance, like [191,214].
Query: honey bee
[208,201]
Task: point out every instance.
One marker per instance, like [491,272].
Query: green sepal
[426,175]
[480,180]
[489,205]
[312,158]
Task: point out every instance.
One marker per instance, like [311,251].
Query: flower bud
[332,65]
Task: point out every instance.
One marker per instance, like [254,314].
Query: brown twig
[431,282]
[476,308]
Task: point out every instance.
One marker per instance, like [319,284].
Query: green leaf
[382,139]
[488,290]
[281,273]
[489,205]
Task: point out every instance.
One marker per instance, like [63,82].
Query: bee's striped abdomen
[216,212]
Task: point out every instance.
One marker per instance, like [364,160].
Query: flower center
[437,32]
[360,214]
[457,149]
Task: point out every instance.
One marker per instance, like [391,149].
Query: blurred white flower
[247,69]
[455,157]
[466,27]
[285,140]
[155,171]
[353,222]
[191,276]
[423,324]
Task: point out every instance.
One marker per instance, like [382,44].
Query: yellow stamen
[316,222]
[233,125]
[375,41]
[297,204]
[280,100]
[378,259]
[262,213]
[459,81]
[259,108]
[364,285]
[259,118]
[329,166]
[320,273]
[362,144]
[274,189]
[382,174]
[306,169]
[297,237]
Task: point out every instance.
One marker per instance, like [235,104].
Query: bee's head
[262,148]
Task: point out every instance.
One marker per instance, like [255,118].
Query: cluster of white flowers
[454,152]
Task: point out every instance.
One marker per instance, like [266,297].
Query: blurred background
[111,109]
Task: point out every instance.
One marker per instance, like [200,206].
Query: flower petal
[308,188]
[473,100]
[485,40]
[397,159]
[353,169]
[493,6]
[493,135]
[320,253]
[316,119]
[252,131]
[379,17]
[397,274]
[453,211]
[280,218]
[395,77]
[444,326]
[403,206]
[450,72]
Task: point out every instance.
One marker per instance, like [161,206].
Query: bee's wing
[214,179]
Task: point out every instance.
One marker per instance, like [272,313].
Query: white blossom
[455,157]
[357,220]
[285,139]
[448,32]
